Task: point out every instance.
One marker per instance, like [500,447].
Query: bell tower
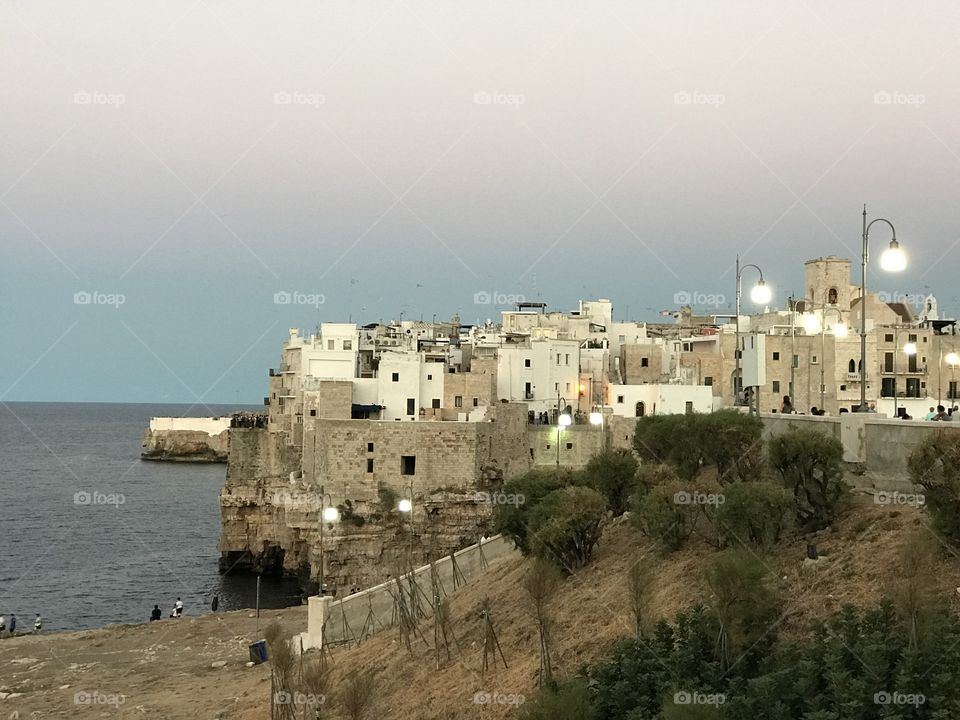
[827,281]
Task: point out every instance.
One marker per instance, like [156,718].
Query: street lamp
[813,324]
[893,259]
[910,349]
[563,420]
[328,514]
[952,360]
[406,506]
[596,418]
[760,294]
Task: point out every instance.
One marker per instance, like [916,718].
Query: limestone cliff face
[184,446]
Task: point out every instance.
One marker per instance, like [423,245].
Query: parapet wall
[877,445]
[354,616]
[209,425]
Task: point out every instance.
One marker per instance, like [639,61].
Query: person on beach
[155,614]
[13,623]
[215,604]
[3,624]
[37,624]
[178,608]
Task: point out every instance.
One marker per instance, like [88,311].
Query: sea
[90,534]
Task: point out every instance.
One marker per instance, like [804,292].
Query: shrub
[569,701]
[810,465]
[661,517]
[566,525]
[935,464]
[613,474]
[513,520]
[728,439]
[755,512]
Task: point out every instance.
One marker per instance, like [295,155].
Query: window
[411,406]
[886,387]
[458,400]
[912,363]
[528,391]
[851,366]
[331,344]
[776,386]
[395,377]
[913,387]
[640,409]
[796,361]
[813,360]
[644,362]
[369,447]
[558,358]
[313,412]
[689,408]
[569,446]
[621,339]
[348,344]
[708,381]
[888,362]
[429,377]
[526,362]
[567,359]
[435,404]
[568,387]
[888,338]
[952,390]
[913,338]
[619,399]
[687,347]
[776,355]
[843,387]
[832,296]
[408,464]
[476,402]
[369,465]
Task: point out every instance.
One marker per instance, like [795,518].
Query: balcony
[853,377]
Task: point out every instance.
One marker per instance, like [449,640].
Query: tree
[513,519]
[754,512]
[541,582]
[356,696]
[640,592]
[613,474]
[671,439]
[743,603]
[935,464]
[569,701]
[661,514]
[566,525]
[809,464]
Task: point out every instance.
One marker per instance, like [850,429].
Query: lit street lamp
[910,349]
[893,259]
[952,360]
[328,514]
[596,418]
[760,294]
[406,506]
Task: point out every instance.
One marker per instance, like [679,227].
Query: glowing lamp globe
[596,418]
[840,329]
[564,420]
[330,514]
[811,323]
[910,348]
[405,506]
[761,293]
[893,258]
[952,358]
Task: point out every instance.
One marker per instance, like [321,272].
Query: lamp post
[563,420]
[893,259]
[952,360]
[760,294]
[596,418]
[812,325]
[910,349]
[406,506]
[328,514]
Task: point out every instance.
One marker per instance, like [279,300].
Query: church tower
[827,281]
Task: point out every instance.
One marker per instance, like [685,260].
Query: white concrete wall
[660,399]
[211,426]
[393,395]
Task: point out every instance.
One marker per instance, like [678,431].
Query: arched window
[641,409]
[852,366]
[832,296]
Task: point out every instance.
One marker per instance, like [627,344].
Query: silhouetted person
[155,614]
[216,603]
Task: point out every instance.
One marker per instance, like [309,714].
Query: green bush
[727,439]
[613,474]
[568,701]
[566,525]
[810,464]
[935,464]
[754,512]
[662,515]
[513,519]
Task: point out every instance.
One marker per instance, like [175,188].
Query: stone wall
[352,617]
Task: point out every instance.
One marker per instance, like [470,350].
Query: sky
[182,182]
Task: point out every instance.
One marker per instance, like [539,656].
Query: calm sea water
[149,534]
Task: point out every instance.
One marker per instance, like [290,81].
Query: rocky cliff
[184,446]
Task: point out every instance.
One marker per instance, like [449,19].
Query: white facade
[641,400]
[209,425]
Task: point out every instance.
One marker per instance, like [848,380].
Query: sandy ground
[165,669]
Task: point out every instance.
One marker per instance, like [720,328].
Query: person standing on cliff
[37,624]
[155,614]
[215,604]
[13,623]
[178,608]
